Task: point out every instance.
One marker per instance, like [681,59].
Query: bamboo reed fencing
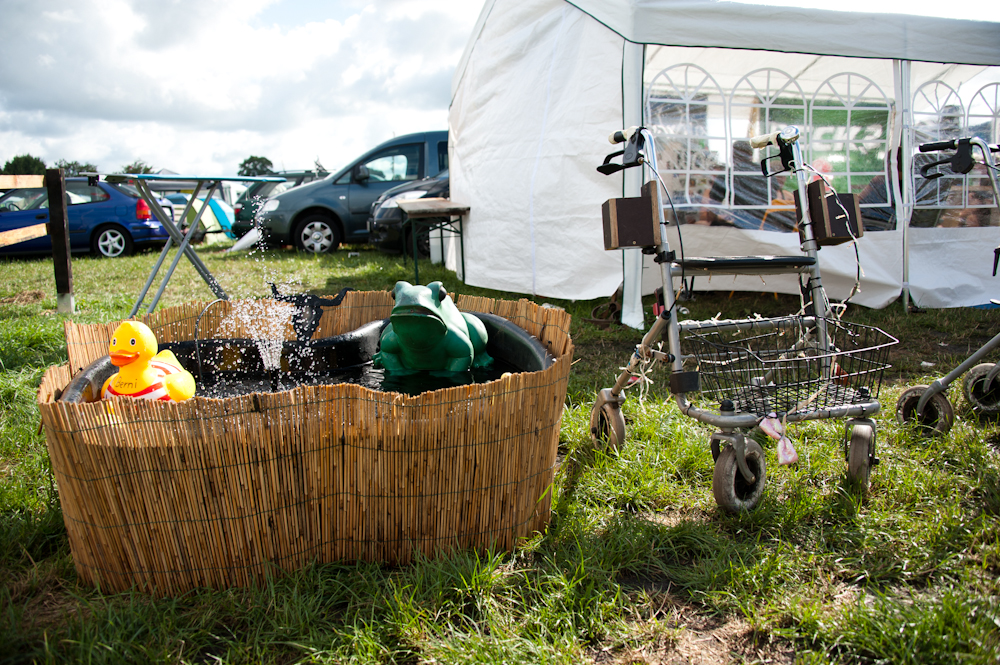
[168,497]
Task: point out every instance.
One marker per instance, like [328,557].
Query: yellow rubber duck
[143,372]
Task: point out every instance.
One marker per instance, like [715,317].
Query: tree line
[30,165]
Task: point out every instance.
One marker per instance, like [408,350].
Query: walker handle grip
[764,140]
[939,145]
[622,135]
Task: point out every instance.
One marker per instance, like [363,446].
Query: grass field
[637,565]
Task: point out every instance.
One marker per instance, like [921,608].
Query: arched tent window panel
[850,125]
[938,115]
[763,101]
[982,119]
[983,114]
[686,111]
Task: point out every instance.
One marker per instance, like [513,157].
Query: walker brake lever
[631,155]
[787,158]
[962,161]
[996,260]
[927,167]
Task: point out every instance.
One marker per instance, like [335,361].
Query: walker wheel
[937,417]
[607,426]
[732,492]
[860,454]
[984,402]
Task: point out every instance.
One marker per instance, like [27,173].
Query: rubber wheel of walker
[984,402]
[732,492]
[859,456]
[938,415]
[607,427]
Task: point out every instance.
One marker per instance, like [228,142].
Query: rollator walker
[758,371]
[928,406]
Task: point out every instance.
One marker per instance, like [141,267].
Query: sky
[197,86]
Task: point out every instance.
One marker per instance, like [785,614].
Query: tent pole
[902,187]
[632,63]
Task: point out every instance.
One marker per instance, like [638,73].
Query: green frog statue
[427,333]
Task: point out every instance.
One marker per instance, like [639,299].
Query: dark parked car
[106,219]
[386,222]
[250,201]
[318,216]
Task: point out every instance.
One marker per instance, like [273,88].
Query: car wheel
[317,234]
[423,244]
[111,241]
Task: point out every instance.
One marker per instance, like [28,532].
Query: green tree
[253,165]
[138,166]
[75,167]
[24,165]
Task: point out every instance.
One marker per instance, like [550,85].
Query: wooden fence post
[59,232]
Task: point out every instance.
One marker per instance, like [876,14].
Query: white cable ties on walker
[775,429]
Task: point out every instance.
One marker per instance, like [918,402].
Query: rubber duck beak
[122,358]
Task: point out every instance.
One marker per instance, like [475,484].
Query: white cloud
[198,86]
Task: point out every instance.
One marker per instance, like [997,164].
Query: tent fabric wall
[543,82]
[528,127]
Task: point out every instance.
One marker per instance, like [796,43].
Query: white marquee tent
[543,82]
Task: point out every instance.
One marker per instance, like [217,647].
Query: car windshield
[442,174]
[24,199]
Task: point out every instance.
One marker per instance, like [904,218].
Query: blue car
[104,219]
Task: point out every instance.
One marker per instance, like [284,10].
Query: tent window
[954,200]
[714,176]
[850,121]
[685,107]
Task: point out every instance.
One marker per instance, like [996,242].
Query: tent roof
[798,30]
[711,23]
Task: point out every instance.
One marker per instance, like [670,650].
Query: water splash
[266,322]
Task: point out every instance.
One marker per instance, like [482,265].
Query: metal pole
[175,233]
[809,245]
[183,246]
[904,207]
[159,213]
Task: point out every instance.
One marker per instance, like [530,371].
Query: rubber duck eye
[132,341]
[114,341]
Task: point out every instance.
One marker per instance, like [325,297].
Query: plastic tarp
[543,82]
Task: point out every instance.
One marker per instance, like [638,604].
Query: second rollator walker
[758,372]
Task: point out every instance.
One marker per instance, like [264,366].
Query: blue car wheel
[111,241]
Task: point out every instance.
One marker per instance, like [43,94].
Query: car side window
[442,156]
[25,199]
[399,163]
[81,192]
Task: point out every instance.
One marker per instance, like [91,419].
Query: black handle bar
[939,145]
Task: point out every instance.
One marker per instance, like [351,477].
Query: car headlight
[393,201]
[271,205]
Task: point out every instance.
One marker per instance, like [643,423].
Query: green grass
[637,565]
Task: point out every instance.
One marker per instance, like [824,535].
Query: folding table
[182,240]
[433,214]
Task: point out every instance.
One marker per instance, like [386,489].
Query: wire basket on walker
[755,372]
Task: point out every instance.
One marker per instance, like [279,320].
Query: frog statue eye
[442,294]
